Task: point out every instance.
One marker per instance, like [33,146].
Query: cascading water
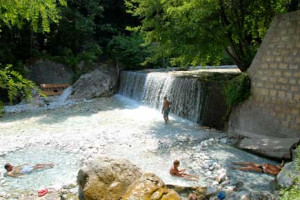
[187,94]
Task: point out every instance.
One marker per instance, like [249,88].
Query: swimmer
[20,170]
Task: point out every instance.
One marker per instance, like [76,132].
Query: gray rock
[93,85]
[242,195]
[270,147]
[46,71]
[211,190]
[287,175]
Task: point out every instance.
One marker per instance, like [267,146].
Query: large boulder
[287,175]
[271,147]
[106,179]
[97,83]
[46,71]
[150,187]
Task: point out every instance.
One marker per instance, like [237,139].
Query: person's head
[8,167]
[165,98]
[176,163]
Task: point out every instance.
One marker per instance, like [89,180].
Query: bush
[89,55]
[293,192]
[237,91]
[14,86]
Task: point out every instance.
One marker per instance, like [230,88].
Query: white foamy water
[39,104]
[120,128]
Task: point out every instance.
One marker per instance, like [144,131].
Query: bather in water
[21,170]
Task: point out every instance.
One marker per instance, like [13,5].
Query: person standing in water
[166,109]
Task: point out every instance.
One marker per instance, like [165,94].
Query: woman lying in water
[20,170]
[264,168]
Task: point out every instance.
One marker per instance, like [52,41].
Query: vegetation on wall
[236,91]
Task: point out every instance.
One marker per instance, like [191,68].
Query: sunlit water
[64,171]
[116,127]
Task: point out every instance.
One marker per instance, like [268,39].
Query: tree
[129,50]
[40,13]
[14,14]
[192,32]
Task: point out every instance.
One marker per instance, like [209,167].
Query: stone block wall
[274,107]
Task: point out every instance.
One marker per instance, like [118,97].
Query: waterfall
[64,96]
[186,94]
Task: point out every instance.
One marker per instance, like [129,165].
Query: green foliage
[40,13]
[14,85]
[193,32]
[237,91]
[293,192]
[89,55]
[129,50]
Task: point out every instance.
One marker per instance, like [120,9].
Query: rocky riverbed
[119,128]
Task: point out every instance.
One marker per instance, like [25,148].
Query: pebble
[211,190]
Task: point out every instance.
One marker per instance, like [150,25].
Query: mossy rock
[71,197]
[150,187]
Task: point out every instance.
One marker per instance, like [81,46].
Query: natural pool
[64,171]
[120,128]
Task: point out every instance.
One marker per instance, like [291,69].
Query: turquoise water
[64,171]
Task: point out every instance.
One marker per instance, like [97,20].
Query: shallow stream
[120,128]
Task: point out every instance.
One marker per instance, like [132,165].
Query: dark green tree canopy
[193,32]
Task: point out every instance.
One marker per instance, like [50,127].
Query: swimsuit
[262,169]
[166,112]
[26,169]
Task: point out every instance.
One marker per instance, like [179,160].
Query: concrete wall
[274,107]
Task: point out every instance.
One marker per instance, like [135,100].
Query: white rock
[205,166]
[224,140]
[211,190]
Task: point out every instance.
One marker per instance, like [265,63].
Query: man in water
[20,170]
[264,168]
[166,109]
[174,171]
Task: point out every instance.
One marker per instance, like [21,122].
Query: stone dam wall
[274,106]
[193,96]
